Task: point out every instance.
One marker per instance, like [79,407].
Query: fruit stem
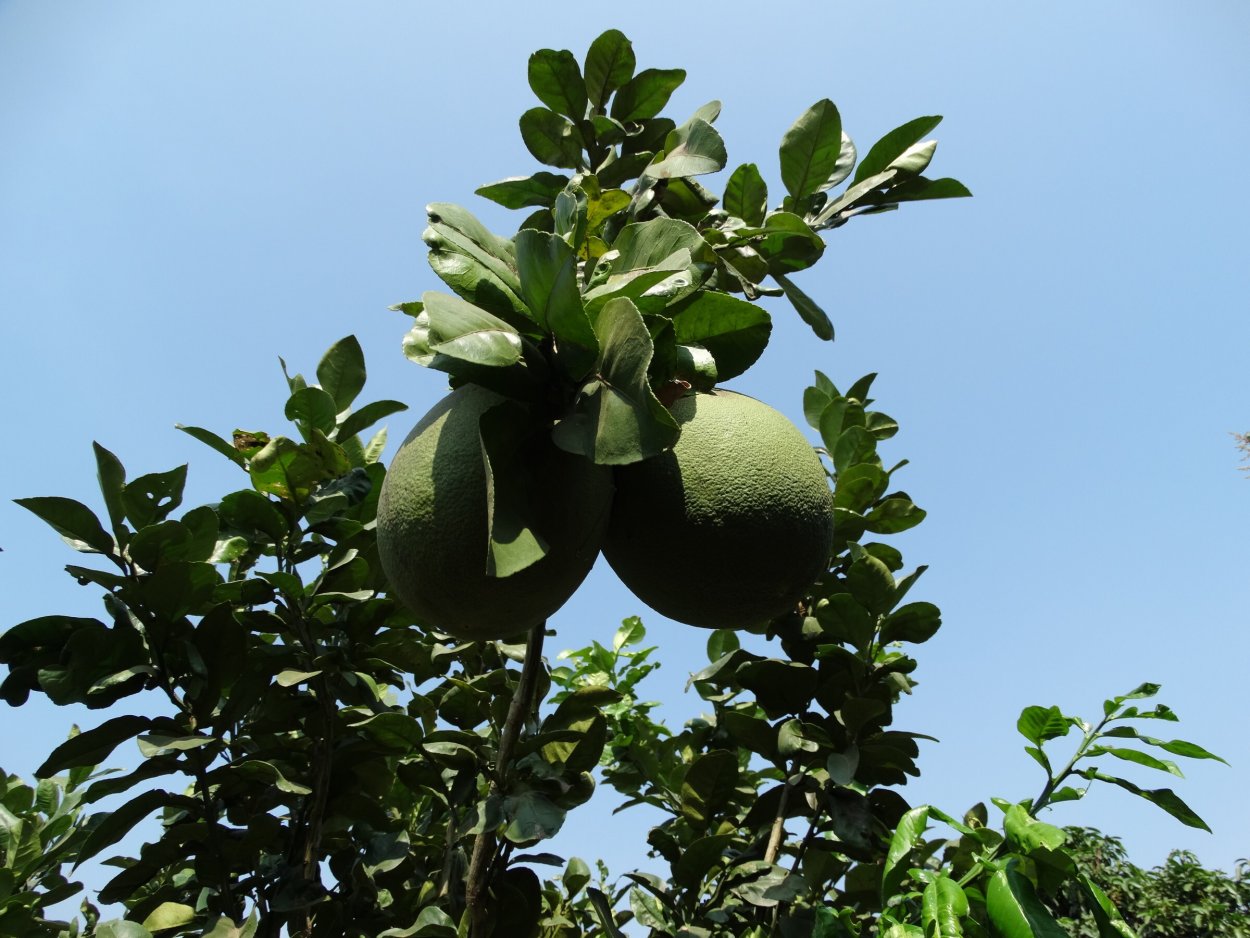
[484,845]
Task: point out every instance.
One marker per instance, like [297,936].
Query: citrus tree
[335,673]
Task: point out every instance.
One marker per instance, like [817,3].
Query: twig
[484,845]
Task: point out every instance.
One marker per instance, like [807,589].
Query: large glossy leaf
[551,138]
[523,191]
[1028,834]
[111,475]
[169,915]
[645,95]
[314,407]
[609,65]
[789,243]
[1041,724]
[366,417]
[746,194]
[117,825]
[1016,911]
[842,168]
[909,832]
[733,330]
[512,544]
[342,371]
[693,149]
[531,816]
[548,270]
[478,265]
[1163,798]
[644,286]
[467,332]
[943,906]
[893,145]
[556,79]
[810,150]
[151,498]
[649,243]
[616,419]
[74,521]
[914,622]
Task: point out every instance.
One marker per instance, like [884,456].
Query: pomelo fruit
[730,527]
[433,525]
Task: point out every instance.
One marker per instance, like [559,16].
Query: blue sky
[188,192]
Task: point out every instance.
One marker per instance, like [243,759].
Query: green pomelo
[730,527]
[433,526]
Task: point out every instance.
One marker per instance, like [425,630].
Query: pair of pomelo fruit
[726,530]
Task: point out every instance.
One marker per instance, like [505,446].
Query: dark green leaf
[314,407]
[251,513]
[513,545]
[893,145]
[616,419]
[478,265]
[846,162]
[859,486]
[846,620]
[915,622]
[609,64]
[548,271]
[209,438]
[922,189]
[523,191]
[1140,758]
[117,825]
[150,498]
[1028,834]
[74,521]
[810,149]
[895,514]
[733,330]
[943,906]
[92,747]
[531,816]
[1163,798]
[807,309]
[708,785]
[556,79]
[111,475]
[746,194]
[342,371]
[645,95]
[366,417]
[551,138]
[789,243]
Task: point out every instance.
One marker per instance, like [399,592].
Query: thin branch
[484,846]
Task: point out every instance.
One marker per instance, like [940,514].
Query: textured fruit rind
[730,527]
[433,528]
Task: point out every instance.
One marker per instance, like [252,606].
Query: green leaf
[1028,834]
[287,470]
[645,95]
[118,928]
[366,417]
[74,521]
[709,783]
[1041,724]
[846,162]
[943,906]
[464,331]
[907,835]
[513,545]
[1178,747]
[616,419]
[478,265]
[169,915]
[225,928]
[251,513]
[523,191]
[548,271]
[551,138]
[915,622]
[733,330]
[631,632]
[810,149]
[314,407]
[923,190]
[746,195]
[1135,756]
[531,816]
[807,309]
[156,744]
[211,439]
[268,773]
[111,475]
[895,514]
[893,145]
[150,498]
[789,244]
[1163,798]
[117,825]
[1016,911]
[342,372]
[94,746]
[609,65]
[693,149]
[556,79]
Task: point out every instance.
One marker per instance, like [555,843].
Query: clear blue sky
[189,191]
